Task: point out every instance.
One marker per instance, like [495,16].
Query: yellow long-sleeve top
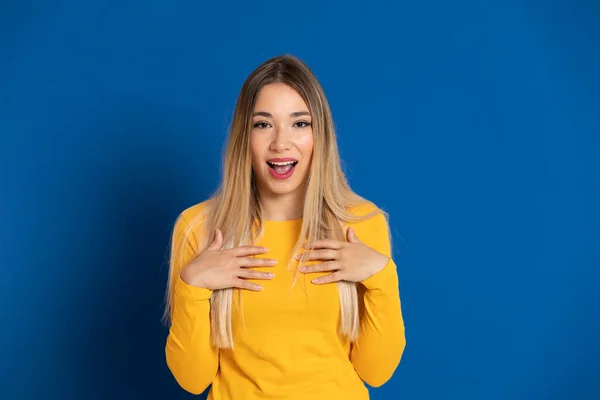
[287,344]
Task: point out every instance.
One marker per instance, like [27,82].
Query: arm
[192,359]
[381,341]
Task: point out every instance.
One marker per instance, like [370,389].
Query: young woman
[282,284]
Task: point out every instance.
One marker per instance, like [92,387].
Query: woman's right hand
[221,269]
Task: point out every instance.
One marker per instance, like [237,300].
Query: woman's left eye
[302,124]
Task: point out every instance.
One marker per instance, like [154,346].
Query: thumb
[217,242]
[352,238]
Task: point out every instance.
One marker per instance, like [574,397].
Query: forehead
[279,98]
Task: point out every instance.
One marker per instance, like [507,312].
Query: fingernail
[270,275]
[316,280]
[273,262]
[258,287]
[303,269]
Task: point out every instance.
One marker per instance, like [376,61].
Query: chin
[281,189]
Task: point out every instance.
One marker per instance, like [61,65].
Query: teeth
[282,163]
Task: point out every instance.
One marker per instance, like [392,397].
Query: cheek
[305,145]
[256,149]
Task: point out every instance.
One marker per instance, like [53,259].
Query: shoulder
[368,213]
[363,209]
[372,227]
[191,220]
[372,220]
[193,213]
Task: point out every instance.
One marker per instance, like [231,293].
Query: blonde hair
[235,207]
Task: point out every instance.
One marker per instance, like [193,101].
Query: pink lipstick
[282,168]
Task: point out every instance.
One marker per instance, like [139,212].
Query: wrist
[189,292]
[192,278]
[385,277]
[380,263]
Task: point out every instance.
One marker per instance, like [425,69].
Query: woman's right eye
[261,125]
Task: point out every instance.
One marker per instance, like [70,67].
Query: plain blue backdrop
[475,124]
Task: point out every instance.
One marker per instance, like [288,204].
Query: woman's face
[281,140]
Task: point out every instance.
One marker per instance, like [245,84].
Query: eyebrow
[269,115]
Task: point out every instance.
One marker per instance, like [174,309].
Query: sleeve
[190,356]
[381,341]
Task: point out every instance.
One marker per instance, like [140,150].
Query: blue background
[475,124]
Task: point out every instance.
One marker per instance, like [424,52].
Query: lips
[282,168]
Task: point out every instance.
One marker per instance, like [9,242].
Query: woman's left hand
[348,261]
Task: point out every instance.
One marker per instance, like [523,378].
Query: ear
[352,238]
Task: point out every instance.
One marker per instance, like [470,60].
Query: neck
[282,207]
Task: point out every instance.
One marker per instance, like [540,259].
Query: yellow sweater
[287,346]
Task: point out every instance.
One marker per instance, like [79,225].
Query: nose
[281,141]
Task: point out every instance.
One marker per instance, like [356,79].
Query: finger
[217,242]
[243,251]
[351,234]
[243,284]
[333,277]
[251,274]
[325,244]
[256,262]
[326,266]
[323,254]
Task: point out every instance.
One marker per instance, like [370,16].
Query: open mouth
[282,170]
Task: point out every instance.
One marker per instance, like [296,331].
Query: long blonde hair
[235,207]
